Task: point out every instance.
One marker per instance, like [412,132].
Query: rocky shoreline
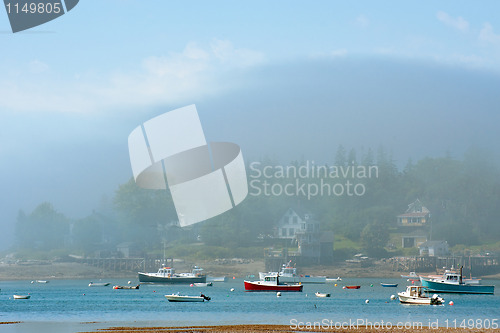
[74,270]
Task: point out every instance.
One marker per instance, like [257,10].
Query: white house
[294,222]
[434,248]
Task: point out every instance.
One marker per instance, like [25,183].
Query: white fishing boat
[289,274]
[411,277]
[333,279]
[202,284]
[185,298]
[318,294]
[22,296]
[216,279]
[168,275]
[416,295]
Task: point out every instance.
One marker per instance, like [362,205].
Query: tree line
[463,196]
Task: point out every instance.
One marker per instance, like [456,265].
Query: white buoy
[278,294]
[232,289]
[130,282]
[393,297]
[367,301]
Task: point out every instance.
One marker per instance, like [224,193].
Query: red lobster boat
[271,283]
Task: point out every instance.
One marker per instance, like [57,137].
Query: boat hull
[389,285]
[178,298]
[318,294]
[442,287]
[99,284]
[126,287]
[149,278]
[418,300]
[352,287]
[260,286]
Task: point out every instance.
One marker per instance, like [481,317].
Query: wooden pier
[475,265]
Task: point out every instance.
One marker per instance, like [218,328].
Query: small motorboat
[318,294]
[216,279]
[411,277]
[202,284]
[99,284]
[352,287]
[185,298]
[390,285]
[415,295]
[126,287]
[22,296]
[333,279]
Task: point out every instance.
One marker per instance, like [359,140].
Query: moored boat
[333,279]
[452,282]
[99,284]
[185,298]
[415,295]
[318,294]
[168,275]
[22,296]
[126,287]
[390,285]
[352,287]
[289,274]
[216,279]
[271,283]
[411,277]
[203,284]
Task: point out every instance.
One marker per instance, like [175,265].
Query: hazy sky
[286,79]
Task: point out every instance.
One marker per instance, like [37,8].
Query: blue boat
[392,285]
[452,282]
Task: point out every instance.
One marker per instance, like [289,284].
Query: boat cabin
[271,278]
[415,291]
[197,271]
[288,271]
[451,277]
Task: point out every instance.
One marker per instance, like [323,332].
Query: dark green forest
[463,196]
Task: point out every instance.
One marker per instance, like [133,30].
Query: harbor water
[73,304]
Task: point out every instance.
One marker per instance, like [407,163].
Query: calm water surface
[69,303]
